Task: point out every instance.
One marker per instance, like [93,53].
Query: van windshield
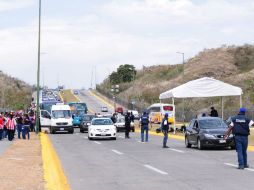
[56,114]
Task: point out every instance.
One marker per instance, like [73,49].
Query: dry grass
[68,96]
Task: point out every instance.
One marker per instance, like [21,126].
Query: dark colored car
[208,132]
[85,122]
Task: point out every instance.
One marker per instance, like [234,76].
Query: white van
[158,110]
[58,120]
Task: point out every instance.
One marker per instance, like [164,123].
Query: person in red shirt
[1,126]
[11,125]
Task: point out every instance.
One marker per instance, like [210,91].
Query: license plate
[103,134]
[61,129]
[222,141]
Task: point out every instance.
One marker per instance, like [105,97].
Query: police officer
[164,129]
[144,122]
[240,128]
[127,125]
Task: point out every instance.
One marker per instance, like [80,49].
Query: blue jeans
[143,130]
[241,149]
[165,139]
[1,134]
[25,131]
[19,129]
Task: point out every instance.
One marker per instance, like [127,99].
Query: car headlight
[209,136]
[231,136]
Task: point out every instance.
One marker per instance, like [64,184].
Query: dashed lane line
[235,166]
[176,150]
[85,137]
[117,152]
[96,142]
[156,170]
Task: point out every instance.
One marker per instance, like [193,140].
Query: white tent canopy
[203,87]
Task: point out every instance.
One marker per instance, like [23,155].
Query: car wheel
[232,147]
[72,131]
[200,146]
[133,130]
[81,130]
[187,144]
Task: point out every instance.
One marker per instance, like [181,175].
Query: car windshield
[88,117]
[102,122]
[121,120]
[56,114]
[212,124]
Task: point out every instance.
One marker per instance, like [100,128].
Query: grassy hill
[231,64]
[14,94]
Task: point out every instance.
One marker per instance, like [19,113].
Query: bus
[158,110]
[78,110]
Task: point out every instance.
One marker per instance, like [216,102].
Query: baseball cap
[242,110]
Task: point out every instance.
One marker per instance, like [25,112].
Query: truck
[58,119]
[78,110]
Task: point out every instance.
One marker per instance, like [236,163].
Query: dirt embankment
[21,166]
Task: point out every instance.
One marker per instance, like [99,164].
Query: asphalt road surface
[129,164]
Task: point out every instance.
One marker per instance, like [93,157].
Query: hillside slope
[14,94]
[232,64]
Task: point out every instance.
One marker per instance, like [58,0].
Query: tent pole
[174,117]
[222,108]
[241,101]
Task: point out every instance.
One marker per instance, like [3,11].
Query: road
[4,144]
[129,164]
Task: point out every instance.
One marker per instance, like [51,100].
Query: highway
[129,164]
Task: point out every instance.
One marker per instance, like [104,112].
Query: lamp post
[38,73]
[183,116]
[114,90]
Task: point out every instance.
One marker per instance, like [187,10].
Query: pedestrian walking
[26,127]
[144,123]
[165,129]
[240,128]
[1,126]
[214,112]
[127,125]
[11,125]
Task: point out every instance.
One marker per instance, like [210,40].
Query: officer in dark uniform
[164,129]
[127,125]
[144,122]
[240,128]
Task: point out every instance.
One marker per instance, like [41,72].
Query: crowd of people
[16,122]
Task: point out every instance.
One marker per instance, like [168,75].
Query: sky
[83,41]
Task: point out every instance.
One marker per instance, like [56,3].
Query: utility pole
[115,90]
[38,73]
[183,116]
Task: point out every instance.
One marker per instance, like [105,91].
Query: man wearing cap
[164,129]
[240,128]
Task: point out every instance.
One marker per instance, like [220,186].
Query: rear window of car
[212,124]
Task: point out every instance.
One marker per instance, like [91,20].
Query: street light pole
[38,73]
[183,60]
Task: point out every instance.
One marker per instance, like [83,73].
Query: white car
[101,128]
[104,109]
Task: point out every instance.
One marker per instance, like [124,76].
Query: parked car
[102,128]
[104,109]
[75,92]
[85,122]
[208,132]
[120,124]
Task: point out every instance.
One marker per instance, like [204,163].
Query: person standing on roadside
[19,121]
[144,123]
[165,129]
[127,125]
[26,127]
[214,112]
[240,128]
[11,125]
[1,126]
[6,118]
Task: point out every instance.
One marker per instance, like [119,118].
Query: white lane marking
[121,137]
[117,152]
[235,166]
[96,142]
[155,169]
[176,150]
[85,137]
